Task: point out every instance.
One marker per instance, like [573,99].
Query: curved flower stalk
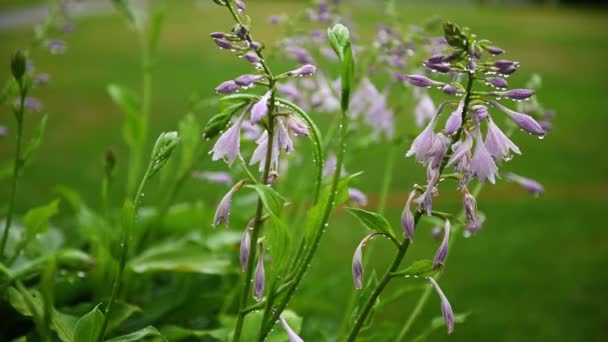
[460,145]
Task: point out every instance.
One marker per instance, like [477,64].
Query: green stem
[36,316]
[427,290]
[18,162]
[124,249]
[399,257]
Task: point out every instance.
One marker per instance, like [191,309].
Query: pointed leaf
[372,221]
[133,127]
[89,326]
[138,335]
[273,202]
[36,220]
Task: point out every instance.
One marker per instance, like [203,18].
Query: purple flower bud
[291,335]
[357,197]
[357,266]
[446,308]
[223,44]
[252,57]
[222,213]
[439,67]
[450,89]
[260,108]
[528,184]
[442,252]
[482,163]
[217,35]
[407,219]
[304,70]
[300,55]
[503,63]
[480,112]
[454,121]
[507,70]
[256,46]
[519,94]
[423,81]
[524,121]
[259,279]
[276,19]
[437,58]
[461,149]
[423,142]
[240,5]
[229,143]
[214,177]
[494,50]
[498,144]
[297,126]
[42,79]
[247,80]
[470,207]
[227,87]
[245,247]
[498,82]
[56,46]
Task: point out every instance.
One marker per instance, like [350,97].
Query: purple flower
[223,44]
[304,70]
[425,201]
[252,58]
[437,232]
[276,19]
[56,46]
[498,82]
[42,79]
[283,138]
[423,81]
[425,110]
[228,144]
[439,67]
[454,121]
[357,196]
[480,112]
[260,108]
[289,90]
[297,126]
[461,149]
[222,213]
[300,55]
[245,248]
[503,63]
[518,94]
[227,87]
[423,142]
[507,70]
[32,104]
[407,219]
[259,154]
[437,152]
[470,208]
[524,121]
[482,163]
[358,261]
[436,58]
[214,177]
[259,279]
[247,80]
[240,5]
[494,50]
[442,252]
[450,90]
[528,184]
[256,46]
[446,308]
[291,335]
[498,144]
[217,35]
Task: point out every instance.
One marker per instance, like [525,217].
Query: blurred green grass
[534,273]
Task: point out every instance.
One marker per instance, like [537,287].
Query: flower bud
[18,63]
[494,50]
[439,67]
[245,246]
[251,57]
[297,126]
[247,80]
[240,5]
[256,46]
[304,70]
[227,87]
[423,81]
[164,146]
[450,90]
[339,38]
[437,58]
[442,251]
[407,219]
[524,121]
[504,63]
[223,44]
[222,213]
[291,335]
[223,178]
[454,121]
[498,82]
[217,35]
[446,308]
[519,94]
[357,196]
[259,279]
[528,184]
[507,70]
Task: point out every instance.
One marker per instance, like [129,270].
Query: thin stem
[399,257]
[124,249]
[387,179]
[18,162]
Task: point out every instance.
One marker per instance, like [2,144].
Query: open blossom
[498,144]
[461,149]
[482,163]
[528,184]
[260,108]
[442,252]
[228,144]
[283,138]
[222,213]
[423,142]
[446,308]
[407,219]
[291,335]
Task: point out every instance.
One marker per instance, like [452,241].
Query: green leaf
[133,129]
[89,326]
[120,313]
[273,202]
[218,122]
[180,256]
[138,335]
[278,242]
[372,221]
[36,220]
[36,140]
[156,26]
[176,333]
[253,321]
[420,268]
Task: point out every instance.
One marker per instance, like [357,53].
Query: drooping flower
[260,278]
[214,177]
[524,121]
[228,144]
[461,149]
[259,154]
[482,163]
[283,138]
[480,113]
[425,201]
[357,197]
[260,108]
[454,121]
[446,308]
[498,144]
[425,110]
[222,213]
[407,219]
[442,251]
[470,207]
[530,185]
[291,335]
[297,126]
[423,142]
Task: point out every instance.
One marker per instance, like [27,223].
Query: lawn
[534,273]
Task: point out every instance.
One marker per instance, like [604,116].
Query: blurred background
[537,270]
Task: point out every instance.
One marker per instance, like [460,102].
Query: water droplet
[541,137]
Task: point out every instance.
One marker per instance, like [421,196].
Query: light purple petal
[260,108]
[482,163]
[407,219]
[228,144]
[498,144]
[291,335]
[442,251]
[446,308]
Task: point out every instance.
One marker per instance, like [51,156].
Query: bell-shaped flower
[260,108]
[283,138]
[442,251]
[454,121]
[259,154]
[498,144]
[425,110]
[228,144]
[222,213]
[461,149]
[423,143]
[482,163]
[297,126]
[446,308]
